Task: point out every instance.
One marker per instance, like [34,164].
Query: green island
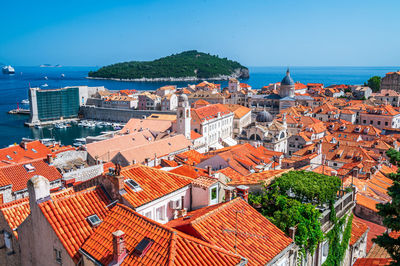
[188,65]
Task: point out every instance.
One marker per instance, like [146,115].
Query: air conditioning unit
[175,204]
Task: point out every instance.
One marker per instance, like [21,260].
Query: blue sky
[254,32]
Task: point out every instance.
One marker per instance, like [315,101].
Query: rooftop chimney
[229,193]
[292,232]
[243,192]
[119,248]
[209,170]
[50,159]
[38,188]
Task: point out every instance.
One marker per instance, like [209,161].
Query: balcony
[342,206]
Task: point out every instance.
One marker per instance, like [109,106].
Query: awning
[229,142]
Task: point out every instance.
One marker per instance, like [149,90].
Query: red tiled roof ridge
[215,210]
[76,193]
[155,169]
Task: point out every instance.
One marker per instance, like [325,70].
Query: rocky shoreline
[238,74]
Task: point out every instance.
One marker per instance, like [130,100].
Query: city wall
[116,115]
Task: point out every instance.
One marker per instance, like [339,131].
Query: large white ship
[8,70]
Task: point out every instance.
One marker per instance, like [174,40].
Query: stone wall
[117,115]
[84,174]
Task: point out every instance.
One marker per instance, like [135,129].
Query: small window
[94,220]
[7,240]
[57,255]
[9,157]
[133,185]
[35,151]
[160,213]
[29,167]
[214,193]
[143,246]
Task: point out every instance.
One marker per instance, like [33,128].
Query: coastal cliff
[186,66]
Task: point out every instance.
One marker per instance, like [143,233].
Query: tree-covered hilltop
[183,65]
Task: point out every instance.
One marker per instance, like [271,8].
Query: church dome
[264,117]
[287,80]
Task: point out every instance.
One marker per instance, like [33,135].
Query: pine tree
[390,213]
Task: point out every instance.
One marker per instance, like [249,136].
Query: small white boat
[60,126]
[79,142]
[38,126]
[46,78]
[44,85]
[8,70]
[62,75]
[25,101]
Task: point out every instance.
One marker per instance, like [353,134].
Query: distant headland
[186,66]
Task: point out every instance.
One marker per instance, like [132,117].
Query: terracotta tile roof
[326,109]
[15,212]
[170,247]
[190,157]
[18,175]
[374,231]
[204,181]
[325,170]
[159,148]
[155,184]
[194,135]
[17,153]
[189,171]
[238,110]
[105,150]
[107,165]
[358,229]
[386,110]
[258,178]
[243,157]
[371,262]
[159,117]
[230,173]
[258,239]
[135,124]
[168,163]
[68,216]
[209,112]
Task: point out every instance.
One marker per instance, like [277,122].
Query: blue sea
[14,88]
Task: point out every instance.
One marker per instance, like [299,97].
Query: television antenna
[236,232]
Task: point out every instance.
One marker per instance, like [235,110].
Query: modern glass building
[54,104]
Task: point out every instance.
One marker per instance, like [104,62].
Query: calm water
[14,88]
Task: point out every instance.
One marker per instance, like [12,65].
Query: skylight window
[143,247]
[94,220]
[133,185]
[29,167]
[35,151]
[9,157]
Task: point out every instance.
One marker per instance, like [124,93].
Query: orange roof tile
[170,247]
[194,135]
[371,262]
[238,110]
[15,212]
[155,184]
[17,153]
[68,216]
[190,157]
[358,229]
[209,112]
[374,230]
[258,178]
[258,239]
[18,175]
[189,171]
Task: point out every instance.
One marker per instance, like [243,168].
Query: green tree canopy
[374,83]
[390,213]
[186,64]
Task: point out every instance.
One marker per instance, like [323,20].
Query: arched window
[282,135]
[187,113]
[181,114]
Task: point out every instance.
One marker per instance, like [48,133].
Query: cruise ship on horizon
[8,70]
